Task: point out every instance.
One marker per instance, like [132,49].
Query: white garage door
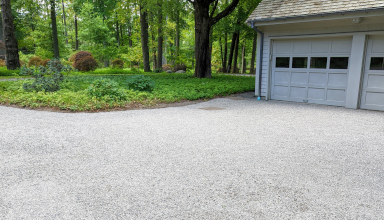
[372,96]
[313,71]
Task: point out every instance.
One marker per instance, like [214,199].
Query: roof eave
[266,20]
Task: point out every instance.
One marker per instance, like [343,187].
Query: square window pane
[339,63]
[377,63]
[282,62]
[319,62]
[300,62]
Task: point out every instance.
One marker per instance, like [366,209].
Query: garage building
[327,52]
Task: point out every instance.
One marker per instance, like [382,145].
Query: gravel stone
[249,160]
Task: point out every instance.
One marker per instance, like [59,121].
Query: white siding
[306,31]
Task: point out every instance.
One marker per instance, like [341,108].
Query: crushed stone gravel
[222,159]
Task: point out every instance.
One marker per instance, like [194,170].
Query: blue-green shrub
[105,87]
[141,83]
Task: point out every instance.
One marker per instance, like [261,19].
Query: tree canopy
[144,33]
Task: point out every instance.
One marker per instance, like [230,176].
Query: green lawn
[169,88]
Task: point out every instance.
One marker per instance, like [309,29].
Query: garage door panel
[301,47]
[374,98]
[372,95]
[281,77]
[280,91]
[299,78]
[316,94]
[377,45]
[283,47]
[375,81]
[336,95]
[341,46]
[298,92]
[317,78]
[337,79]
[320,47]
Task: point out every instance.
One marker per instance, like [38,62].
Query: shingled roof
[269,10]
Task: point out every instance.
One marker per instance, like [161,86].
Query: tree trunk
[253,59]
[234,68]
[221,52]
[160,40]
[65,24]
[121,35]
[154,50]
[144,39]
[54,30]
[202,32]
[177,40]
[130,36]
[117,33]
[76,35]
[10,41]
[243,62]
[204,20]
[234,39]
[225,52]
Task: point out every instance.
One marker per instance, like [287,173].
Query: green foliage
[106,88]
[158,70]
[47,79]
[34,61]
[141,83]
[74,94]
[118,64]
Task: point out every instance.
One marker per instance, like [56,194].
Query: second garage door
[312,71]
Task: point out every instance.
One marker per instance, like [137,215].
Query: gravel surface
[228,158]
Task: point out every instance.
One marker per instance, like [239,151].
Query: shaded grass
[169,88]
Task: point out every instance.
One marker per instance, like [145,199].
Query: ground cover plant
[4,73]
[103,92]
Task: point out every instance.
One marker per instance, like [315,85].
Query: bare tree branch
[226,12]
[214,9]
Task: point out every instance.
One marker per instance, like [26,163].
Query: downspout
[260,54]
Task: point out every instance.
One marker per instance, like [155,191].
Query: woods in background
[144,33]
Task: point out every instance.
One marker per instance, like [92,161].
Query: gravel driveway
[226,158]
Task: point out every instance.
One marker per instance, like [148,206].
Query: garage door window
[319,62]
[339,63]
[282,62]
[377,63]
[300,62]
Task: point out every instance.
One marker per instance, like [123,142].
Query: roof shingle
[269,10]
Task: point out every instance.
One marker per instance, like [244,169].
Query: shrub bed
[94,93]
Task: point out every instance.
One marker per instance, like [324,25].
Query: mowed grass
[169,88]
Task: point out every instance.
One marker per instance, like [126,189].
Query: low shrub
[105,87]
[158,70]
[22,63]
[2,63]
[117,63]
[167,67]
[44,62]
[47,78]
[76,57]
[141,83]
[34,61]
[178,67]
[86,64]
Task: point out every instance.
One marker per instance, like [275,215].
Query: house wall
[332,28]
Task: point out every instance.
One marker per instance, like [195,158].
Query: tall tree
[204,20]
[54,30]
[253,59]
[11,44]
[65,23]
[160,40]
[144,38]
